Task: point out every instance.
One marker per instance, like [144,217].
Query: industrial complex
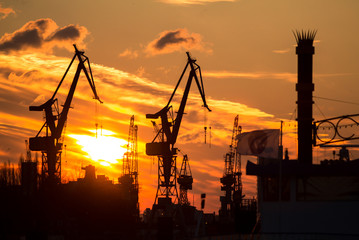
[296,199]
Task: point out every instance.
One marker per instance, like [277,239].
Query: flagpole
[280,159]
[281,135]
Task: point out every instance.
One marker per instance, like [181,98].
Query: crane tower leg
[167,178]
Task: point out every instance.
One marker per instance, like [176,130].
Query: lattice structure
[129,178]
[185,181]
[167,177]
[130,159]
[231,180]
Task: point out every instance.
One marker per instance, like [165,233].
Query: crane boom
[171,135]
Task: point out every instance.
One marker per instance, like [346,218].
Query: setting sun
[106,149]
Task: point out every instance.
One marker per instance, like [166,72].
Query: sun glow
[105,149]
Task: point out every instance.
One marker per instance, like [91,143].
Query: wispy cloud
[5,12]
[176,40]
[251,75]
[282,51]
[43,34]
[132,54]
[286,76]
[192,2]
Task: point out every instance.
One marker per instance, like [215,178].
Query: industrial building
[297,198]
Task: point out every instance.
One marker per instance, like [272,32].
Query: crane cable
[336,100]
[97,121]
[96,118]
[205,126]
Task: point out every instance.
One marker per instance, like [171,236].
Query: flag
[261,143]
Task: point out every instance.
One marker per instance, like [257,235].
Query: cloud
[5,12]
[291,77]
[129,53]
[42,35]
[283,51]
[69,33]
[176,40]
[192,2]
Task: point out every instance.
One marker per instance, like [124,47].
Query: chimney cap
[305,37]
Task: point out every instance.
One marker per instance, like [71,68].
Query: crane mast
[167,135]
[231,180]
[51,145]
[130,158]
[129,178]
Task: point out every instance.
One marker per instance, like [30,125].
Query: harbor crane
[167,136]
[231,180]
[130,158]
[51,144]
[129,178]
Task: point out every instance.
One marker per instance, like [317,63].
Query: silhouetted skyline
[137,49]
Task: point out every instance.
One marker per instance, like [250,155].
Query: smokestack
[305,88]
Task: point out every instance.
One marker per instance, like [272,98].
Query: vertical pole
[280,177]
[280,160]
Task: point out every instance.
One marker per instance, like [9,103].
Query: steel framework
[231,180]
[129,178]
[51,144]
[165,139]
[185,181]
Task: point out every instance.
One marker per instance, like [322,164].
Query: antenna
[205,134]
[205,122]
[96,124]
[210,136]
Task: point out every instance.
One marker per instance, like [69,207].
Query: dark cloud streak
[170,38]
[22,40]
[175,40]
[42,34]
[66,33]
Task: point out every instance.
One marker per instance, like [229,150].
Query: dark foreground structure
[301,200]
[89,208]
[42,207]
[296,198]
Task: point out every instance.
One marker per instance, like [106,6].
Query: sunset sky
[246,50]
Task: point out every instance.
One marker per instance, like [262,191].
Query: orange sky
[137,49]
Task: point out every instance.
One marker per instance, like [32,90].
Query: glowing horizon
[102,148]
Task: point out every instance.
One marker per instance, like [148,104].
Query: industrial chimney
[305,88]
